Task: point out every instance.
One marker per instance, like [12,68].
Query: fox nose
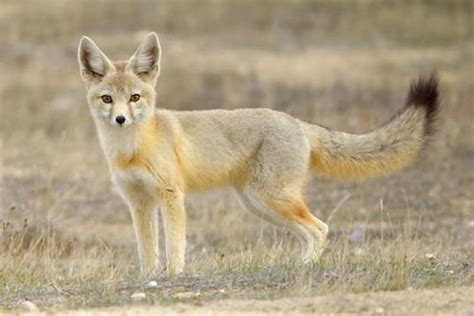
[120,119]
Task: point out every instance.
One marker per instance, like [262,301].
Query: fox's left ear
[145,63]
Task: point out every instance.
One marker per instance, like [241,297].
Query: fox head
[120,94]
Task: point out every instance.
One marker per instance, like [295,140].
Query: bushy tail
[384,150]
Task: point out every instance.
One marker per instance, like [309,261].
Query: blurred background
[344,64]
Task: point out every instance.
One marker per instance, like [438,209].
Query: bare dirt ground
[453,301]
[400,244]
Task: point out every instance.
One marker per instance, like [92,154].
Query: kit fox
[156,156]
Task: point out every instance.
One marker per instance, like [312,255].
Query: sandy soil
[458,301]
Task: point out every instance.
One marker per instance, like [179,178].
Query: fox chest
[133,172]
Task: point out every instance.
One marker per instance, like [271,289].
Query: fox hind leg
[255,205]
[315,230]
[291,213]
[273,190]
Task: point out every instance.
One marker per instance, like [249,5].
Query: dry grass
[66,238]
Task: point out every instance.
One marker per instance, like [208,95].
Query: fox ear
[145,62]
[93,63]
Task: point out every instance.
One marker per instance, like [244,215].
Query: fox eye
[106,98]
[135,97]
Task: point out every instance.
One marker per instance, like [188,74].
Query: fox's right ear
[93,63]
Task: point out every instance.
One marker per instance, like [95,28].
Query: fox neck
[119,143]
[125,142]
[117,140]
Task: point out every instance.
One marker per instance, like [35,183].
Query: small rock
[331,274]
[450,271]
[187,294]
[138,296]
[379,310]
[152,285]
[357,235]
[358,252]
[29,306]
[430,256]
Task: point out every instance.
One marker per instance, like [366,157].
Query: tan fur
[355,157]
[157,156]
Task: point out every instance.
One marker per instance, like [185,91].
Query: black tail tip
[424,93]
